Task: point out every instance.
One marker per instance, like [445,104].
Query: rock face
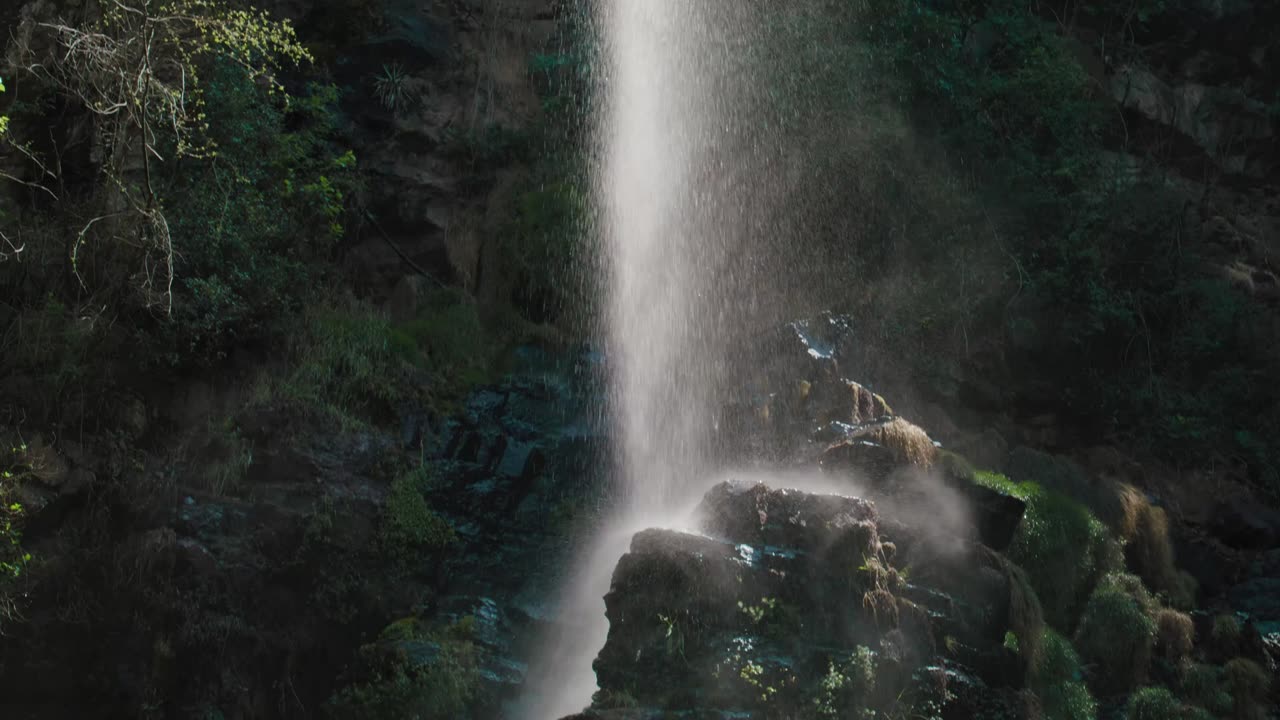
[793,604]
[786,596]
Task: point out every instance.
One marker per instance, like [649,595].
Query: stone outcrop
[785,593]
[798,604]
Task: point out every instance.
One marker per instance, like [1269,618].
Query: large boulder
[787,599]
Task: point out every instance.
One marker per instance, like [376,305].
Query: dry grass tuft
[1026,618]
[1175,635]
[1150,553]
[908,443]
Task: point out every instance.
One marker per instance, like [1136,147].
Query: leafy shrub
[393,88]
[449,337]
[1115,638]
[1132,586]
[1249,685]
[1203,686]
[1154,703]
[250,225]
[1059,681]
[412,671]
[410,520]
[845,691]
[13,559]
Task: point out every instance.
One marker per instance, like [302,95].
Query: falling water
[673,216]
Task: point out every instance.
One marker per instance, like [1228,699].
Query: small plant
[1249,685]
[1058,680]
[1115,637]
[344,362]
[410,523]
[1154,703]
[393,88]
[846,690]
[402,681]
[1202,685]
[13,558]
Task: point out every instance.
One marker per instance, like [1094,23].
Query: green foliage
[225,458]
[544,245]
[1058,680]
[450,337]
[413,672]
[846,690]
[1156,703]
[1249,685]
[393,88]
[1115,637]
[13,558]
[1058,543]
[1203,685]
[250,225]
[410,523]
[343,362]
[1132,336]
[4,119]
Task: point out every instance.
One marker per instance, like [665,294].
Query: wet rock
[787,585]
[755,514]
[995,515]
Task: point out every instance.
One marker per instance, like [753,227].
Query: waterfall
[670,211]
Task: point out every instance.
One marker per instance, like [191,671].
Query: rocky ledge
[795,605]
[886,596]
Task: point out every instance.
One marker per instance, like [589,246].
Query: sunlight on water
[667,219]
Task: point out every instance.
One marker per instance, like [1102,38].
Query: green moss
[410,522]
[1115,637]
[1059,543]
[1058,681]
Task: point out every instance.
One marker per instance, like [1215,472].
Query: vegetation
[412,671]
[1115,637]
[1059,681]
[140,72]
[13,559]
[1249,685]
[1156,703]
[1059,543]
[989,194]
[847,689]
[410,523]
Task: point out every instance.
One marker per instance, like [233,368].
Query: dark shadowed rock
[756,514]
[751,619]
